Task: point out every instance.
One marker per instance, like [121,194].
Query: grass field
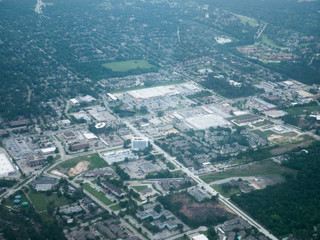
[244,19]
[139,188]
[264,134]
[182,238]
[126,66]
[269,42]
[40,200]
[115,207]
[297,111]
[263,168]
[95,162]
[262,123]
[232,191]
[101,196]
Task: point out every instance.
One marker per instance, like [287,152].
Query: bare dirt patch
[284,139]
[281,150]
[194,210]
[79,168]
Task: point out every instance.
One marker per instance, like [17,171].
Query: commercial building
[44,183]
[78,100]
[139,143]
[79,146]
[19,123]
[6,166]
[247,118]
[199,237]
[100,127]
[36,160]
[3,133]
[48,150]
[118,156]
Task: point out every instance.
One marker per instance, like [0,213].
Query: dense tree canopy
[292,207]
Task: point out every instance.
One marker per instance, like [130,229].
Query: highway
[206,186]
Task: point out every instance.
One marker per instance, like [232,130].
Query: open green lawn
[182,238]
[226,194]
[115,207]
[269,42]
[262,123]
[95,162]
[304,110]
[244,19]
[140,188]
[264,134]
[262,168]
[40,200]
[101,196]
[56,158]
[125,66]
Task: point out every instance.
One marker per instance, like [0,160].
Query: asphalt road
[206,186]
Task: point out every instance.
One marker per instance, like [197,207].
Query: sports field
[126,66]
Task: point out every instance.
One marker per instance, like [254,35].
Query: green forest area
[291,207]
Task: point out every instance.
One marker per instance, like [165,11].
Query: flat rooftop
[153,92]
[6,166]
[206,121]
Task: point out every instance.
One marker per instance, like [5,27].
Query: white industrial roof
[48,150]
[206,121]
[90,136]
[200,237]
[74,101]
[153,92]
[6,165]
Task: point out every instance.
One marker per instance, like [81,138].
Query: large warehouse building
[6,166]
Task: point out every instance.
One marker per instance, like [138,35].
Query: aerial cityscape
[160,119]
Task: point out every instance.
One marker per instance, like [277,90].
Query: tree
[160,114]
[157,208]
[127,143]
[50,159]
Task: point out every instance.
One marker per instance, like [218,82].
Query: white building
[48,150]
[139,143]
[118,156]
[199,237]
[6,166]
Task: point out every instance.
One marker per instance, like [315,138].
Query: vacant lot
[125,66]
[199,212]
[263,168]
[303,110]
[224,192]
[40,200]
[95,161]
[101,196]
[290,147]
[140,188]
